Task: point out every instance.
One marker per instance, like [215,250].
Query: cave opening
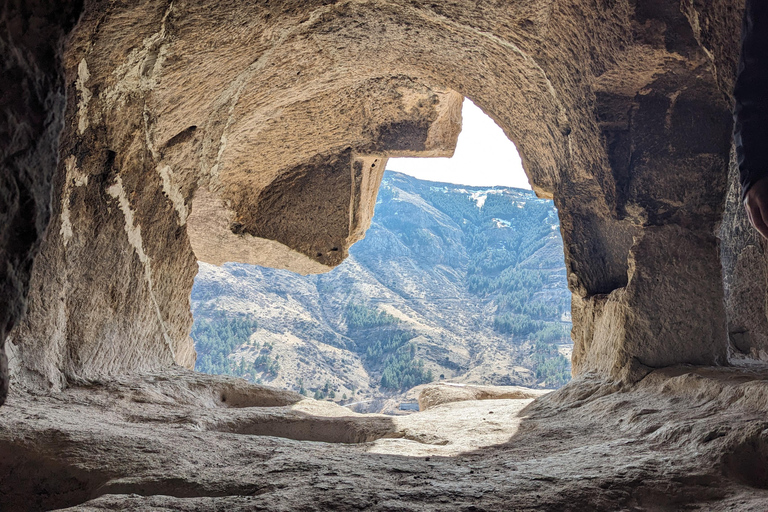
[162,133]
[459,280]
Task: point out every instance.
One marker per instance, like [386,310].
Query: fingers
[761,219]
[757,212]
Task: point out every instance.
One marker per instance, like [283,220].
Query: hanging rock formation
[151,172]
[258,133]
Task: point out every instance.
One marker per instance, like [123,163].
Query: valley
[452,283]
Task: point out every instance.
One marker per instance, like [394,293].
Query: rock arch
[258,132]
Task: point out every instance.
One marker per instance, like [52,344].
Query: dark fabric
[751,95]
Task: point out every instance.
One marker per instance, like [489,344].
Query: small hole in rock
[109,161]
[180,137]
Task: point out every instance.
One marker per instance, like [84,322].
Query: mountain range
[456,283]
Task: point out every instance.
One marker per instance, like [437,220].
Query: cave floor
[684,438]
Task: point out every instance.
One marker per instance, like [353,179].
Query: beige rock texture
[154,134]
[432,395]
[683,438]
[286,169]
[279,117]
[31,118]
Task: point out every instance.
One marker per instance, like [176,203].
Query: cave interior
[141,137]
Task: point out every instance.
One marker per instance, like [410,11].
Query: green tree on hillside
[360,316]
[385,345]
[216,337]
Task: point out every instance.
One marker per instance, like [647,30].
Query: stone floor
[682,439]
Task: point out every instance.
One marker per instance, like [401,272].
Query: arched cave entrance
[170,132]
[454,283]
[253,163]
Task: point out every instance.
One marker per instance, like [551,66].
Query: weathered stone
[276,120]
[665,313]
[296,176]
[433,395]
[31,117]
[683,438]
[280,122]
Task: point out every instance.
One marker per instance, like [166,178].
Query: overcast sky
[484,156]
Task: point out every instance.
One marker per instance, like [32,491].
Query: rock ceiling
[140,137]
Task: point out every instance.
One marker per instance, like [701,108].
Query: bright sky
[484,156]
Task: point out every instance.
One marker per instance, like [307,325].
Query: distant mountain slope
[451,282]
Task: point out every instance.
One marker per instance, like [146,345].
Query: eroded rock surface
[32,36]
[432,395]
[258,132]
[285,167]
[278,118]
[684,438]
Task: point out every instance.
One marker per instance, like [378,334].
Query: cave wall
[258,132]
[32,36]
[110,291]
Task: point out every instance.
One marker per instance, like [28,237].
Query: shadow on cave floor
[683,438]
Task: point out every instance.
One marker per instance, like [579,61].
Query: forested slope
[451,282]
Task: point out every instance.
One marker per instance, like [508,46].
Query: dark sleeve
[751,95]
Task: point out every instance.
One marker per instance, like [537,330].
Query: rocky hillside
[451,283]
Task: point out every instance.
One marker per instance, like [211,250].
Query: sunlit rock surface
[278,117]
[279,122]
[432,395]
[683,438]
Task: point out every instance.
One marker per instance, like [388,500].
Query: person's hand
[756,203]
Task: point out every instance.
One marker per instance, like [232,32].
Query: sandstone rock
[279,117]
[666,264]
[308,179]
[279,122]
[270,210]
[432,395]
[31,117]
[453,429]
[683,438]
